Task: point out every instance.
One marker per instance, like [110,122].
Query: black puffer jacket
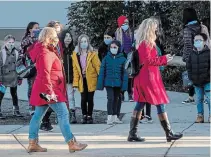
[68,66]
[102,51]
[198,67]
[189,32]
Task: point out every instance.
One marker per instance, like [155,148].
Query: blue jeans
[200,93]
[63,119]
[140,106]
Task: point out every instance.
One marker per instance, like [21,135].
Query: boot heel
[72,151]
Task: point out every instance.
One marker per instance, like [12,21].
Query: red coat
[50,75]
[148,84]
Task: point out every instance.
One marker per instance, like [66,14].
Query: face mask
[10,46]
[84,45]
[114,51]
[198,44]
[36,33]
[107,41]
[125,27]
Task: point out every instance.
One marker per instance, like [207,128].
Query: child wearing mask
[198,67]
[8,75]
[86,67]
[109,36]
[124,35]
[114,78]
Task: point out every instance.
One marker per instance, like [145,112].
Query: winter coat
[50,76]
[68,65]
[198,67]
[113,73]
[148,84]
[102,51]
[92,71]
[188,36]
[8,62]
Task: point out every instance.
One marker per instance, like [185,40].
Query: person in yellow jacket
[86,67]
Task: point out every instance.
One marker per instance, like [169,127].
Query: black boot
[169,133]
[73,117]
[16,111]
[133,136]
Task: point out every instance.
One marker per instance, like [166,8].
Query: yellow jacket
[92,71]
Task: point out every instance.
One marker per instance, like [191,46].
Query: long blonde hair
[78,48]
[146,32]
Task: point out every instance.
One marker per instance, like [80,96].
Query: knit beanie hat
[121,20]
[110,32]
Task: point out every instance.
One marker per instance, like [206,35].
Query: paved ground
[110,141]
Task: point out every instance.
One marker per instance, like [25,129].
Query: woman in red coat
[148,84]
[50,80]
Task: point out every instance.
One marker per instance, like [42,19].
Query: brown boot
[35,147]
[75,146]
[200,119]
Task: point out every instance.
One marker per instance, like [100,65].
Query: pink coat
[148,84]
[50,74]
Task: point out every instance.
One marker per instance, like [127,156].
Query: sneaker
[1,116]
[131,98]
[73,118]
[84,120]
[146,120]
[89,120]
[199,119]
[46,126]
[16,111]
[117,120]
[109,120]
[188,101]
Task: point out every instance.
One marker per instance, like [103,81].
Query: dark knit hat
[110,32]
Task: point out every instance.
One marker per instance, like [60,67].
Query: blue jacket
[112,72]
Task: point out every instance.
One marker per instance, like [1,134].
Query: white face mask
[10,44]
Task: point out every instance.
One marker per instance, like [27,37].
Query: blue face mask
[125,27]
[107,41]
[114,51]
[198,44]
[84,45]
[36,33]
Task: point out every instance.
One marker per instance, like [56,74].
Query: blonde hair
[78,48]
[146,32]
[45,34]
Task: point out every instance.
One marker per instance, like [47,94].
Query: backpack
[132,65]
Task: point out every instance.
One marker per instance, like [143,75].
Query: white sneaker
[116,120]
[110,120]
[146,120]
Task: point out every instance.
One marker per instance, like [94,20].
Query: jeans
[13,92]
[140,106]
[63,119]
[200,93]
[87,97]
[71,96]
[113,100]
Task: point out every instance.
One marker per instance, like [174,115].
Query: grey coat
[8,74]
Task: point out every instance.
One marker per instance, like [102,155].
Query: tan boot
[35,147]
[75,146]
[200,119]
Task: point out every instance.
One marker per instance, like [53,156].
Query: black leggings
[87,99]
[13,92]
[191,91]
[148,110]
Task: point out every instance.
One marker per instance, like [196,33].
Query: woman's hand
[53,97]
[169,57]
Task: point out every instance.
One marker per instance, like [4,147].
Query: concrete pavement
[110,141]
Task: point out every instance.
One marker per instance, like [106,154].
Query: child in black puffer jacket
[198,67]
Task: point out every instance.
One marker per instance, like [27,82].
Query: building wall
[16,15]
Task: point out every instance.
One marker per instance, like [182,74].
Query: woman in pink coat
[148,84]
[50,80]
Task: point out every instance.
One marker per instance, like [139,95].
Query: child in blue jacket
[114,78]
